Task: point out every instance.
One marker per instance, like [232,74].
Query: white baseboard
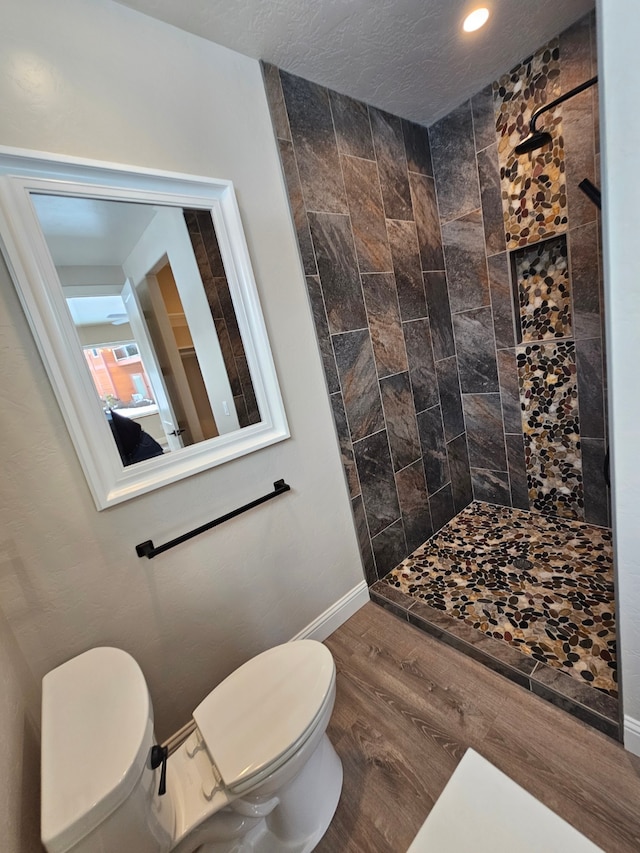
[631,735]
[336,615]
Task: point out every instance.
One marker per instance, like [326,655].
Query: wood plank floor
[408,707]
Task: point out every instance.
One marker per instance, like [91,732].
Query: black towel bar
[147,549]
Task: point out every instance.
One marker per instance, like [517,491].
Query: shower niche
[542,295]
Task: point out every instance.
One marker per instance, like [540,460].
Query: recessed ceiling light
[475,20]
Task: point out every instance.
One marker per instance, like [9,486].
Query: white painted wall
[19,748]
[619,24]
[97,80]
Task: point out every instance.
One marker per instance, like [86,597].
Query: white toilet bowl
[258,773]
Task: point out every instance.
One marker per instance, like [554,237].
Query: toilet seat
[264,712]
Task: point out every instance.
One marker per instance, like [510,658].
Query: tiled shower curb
[592,706]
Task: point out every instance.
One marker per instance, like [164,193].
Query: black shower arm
[560,100]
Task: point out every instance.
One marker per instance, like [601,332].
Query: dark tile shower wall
[362,194]
[406,238]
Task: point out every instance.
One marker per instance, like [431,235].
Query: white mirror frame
[36,280]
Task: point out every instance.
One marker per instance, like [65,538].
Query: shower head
[539,138]
[536,139]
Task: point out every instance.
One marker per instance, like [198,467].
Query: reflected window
[127,351]
[119,376]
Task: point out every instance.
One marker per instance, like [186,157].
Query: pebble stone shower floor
[544,585]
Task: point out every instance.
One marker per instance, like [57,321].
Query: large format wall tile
[590,390]
[416,143]
[450,398]
[364,540]
[201,222]
[485,435]
[465,262]
[491,196]
[400,417]
[484,120]
[207,252]
[403,241]
[381,301]
[578,119]
[414,504]
[453,156]
[344,439]
[314,139]
[389,546]
[596,99]
[596,496]
[442,507]
[229,360]
[435,285]
[434,449]
[276,101]
[583,247]
[425,209]
[338,269]
[491,486]
[476,350]
[578,125]
[377,481]
[461,488]
[367,215]
[421,366]
[517,471]
[253,413]
[576,53]
[392,163]
[322,333]
[298,210]
[501,300]
[351,122]
[357,371]
[209,260]
[509,391]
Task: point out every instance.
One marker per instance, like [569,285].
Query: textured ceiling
[406,56]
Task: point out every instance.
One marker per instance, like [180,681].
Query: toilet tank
[99,792]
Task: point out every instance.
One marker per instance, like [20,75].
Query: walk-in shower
[456,296]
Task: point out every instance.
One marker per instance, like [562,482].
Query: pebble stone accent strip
[543,585]
[549,402]
[542,274]
[534,193]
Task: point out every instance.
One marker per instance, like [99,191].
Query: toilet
[257,771]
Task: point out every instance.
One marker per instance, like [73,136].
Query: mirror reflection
[146,289]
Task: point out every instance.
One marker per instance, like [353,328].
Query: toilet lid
[265,707]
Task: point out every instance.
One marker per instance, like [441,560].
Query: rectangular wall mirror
[141,298]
